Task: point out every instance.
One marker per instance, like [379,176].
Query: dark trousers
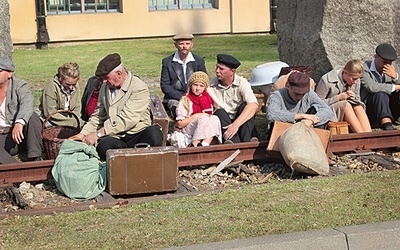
[32,144]
[151,135]
[381,105]
[245,132]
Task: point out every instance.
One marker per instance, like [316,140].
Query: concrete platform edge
[383,235]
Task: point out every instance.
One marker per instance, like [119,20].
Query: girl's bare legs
[362,118]
[195,143]
[351,118]
[207,141]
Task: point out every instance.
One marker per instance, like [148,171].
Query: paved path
[385,235]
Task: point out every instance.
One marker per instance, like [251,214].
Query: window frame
[63,7]
[181,4]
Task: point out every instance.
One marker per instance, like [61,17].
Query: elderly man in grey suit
[176,70]
[380,86]
[122,116]
[20,126]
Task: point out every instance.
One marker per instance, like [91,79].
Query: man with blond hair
[176,70]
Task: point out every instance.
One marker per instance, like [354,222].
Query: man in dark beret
[122,116]
[235,101]
[380,86]
[20,125]
[297,102]
[176,70]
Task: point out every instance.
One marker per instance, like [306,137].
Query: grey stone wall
[6,46]
[323,34]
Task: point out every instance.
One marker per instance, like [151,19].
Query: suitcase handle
[142,144]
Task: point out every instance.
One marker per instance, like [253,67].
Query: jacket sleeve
[324,112]
[276,110]
[369,82]
[201,66]
[323,91]
[166,83]
[26,102]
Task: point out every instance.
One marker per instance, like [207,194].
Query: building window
[181,4]
[82,6]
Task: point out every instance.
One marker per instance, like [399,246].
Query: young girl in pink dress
[194,113]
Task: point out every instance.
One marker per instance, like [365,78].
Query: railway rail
[40,170]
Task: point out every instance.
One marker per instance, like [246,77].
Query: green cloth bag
[78,171]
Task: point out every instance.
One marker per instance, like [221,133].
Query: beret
[185,36]
[228,61]
[300,82]
[199,76]
[386,52]
[6,64]
[107,64]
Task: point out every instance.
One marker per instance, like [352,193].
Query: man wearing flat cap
[380,86]
[20,126]
[234,101]
[298,103]
[176,70]
[122,116]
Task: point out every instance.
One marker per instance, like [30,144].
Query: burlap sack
[303,151]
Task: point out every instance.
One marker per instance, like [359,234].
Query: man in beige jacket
[122,116]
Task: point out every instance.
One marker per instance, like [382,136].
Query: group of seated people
[364,95]
[113,112]
[114,109]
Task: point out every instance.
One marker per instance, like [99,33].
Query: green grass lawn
[267,209]
[142,56]
[272,208]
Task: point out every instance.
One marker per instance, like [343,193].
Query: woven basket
[338,128]
[54,136]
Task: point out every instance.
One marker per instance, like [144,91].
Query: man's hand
[389,70]
[91,139]
[231,130]
[78,137]
[17,134]
[313,118]
[307,122]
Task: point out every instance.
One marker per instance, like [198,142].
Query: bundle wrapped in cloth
[302,150]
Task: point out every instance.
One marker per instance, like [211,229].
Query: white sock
[205,144]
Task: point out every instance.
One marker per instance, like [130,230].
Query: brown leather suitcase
[142,170]
[159,116]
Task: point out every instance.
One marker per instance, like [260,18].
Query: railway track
[40,170]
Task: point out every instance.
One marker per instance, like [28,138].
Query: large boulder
[323,34]
[6,46]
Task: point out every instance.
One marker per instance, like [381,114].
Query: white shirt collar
[189,58]
[373,68]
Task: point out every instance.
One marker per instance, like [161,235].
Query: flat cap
[228,61]
[386,52]
[6,64]
[107,64]
[300,82]
[185,36]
